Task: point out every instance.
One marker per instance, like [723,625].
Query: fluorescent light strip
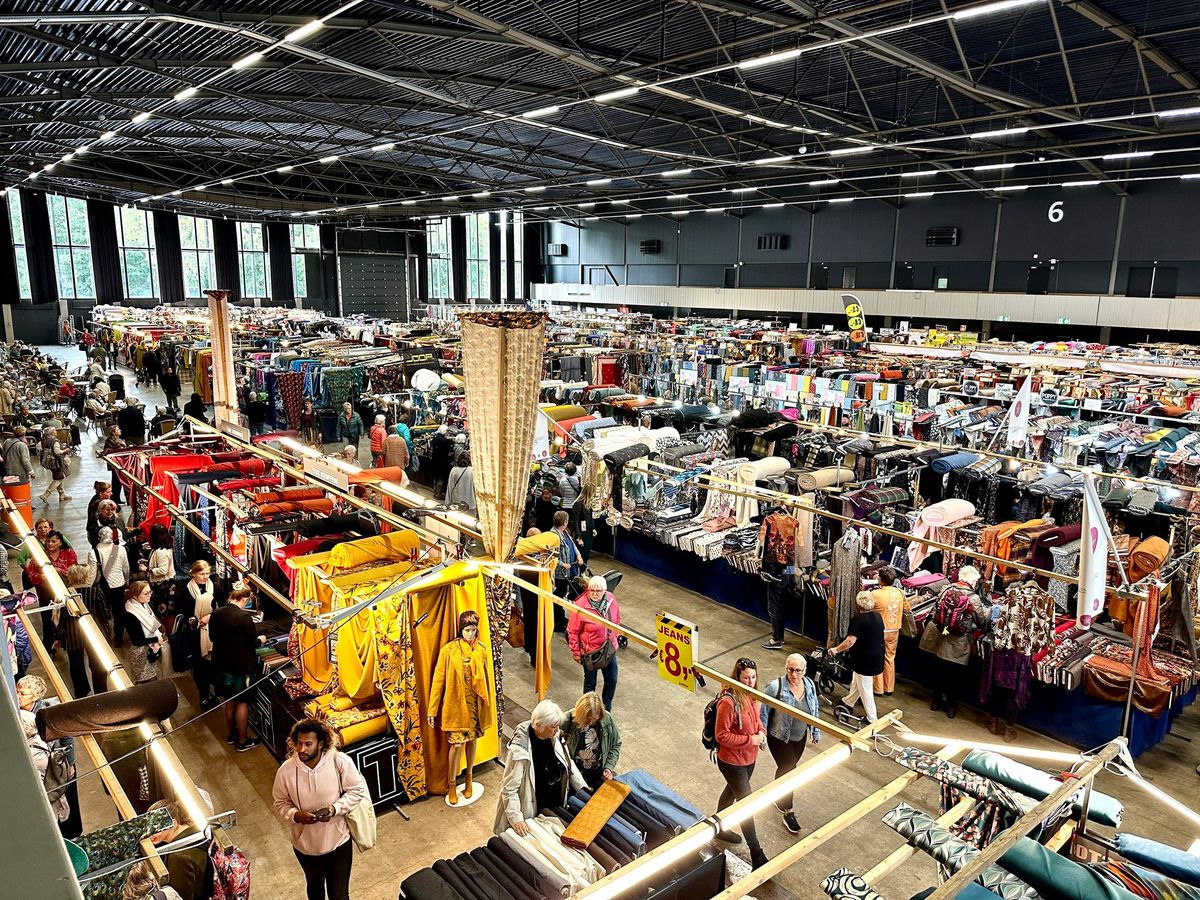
[586,205]
[482,194]
[678,196]
[840,200]
[823,182]
[140,117]
[247,60]
[304,31]
[850,151]
[326,160]
[1012,187]
[1178,113]
[989,9]
[772,205]
[921,174]
[676,172]
[596,182]
[615,95]
[540,113]
[748,190]
[770,160]
[536,189]
[1133,154]
[185,94]
[1091,183]
[284,169]
[994,167]
[919,194]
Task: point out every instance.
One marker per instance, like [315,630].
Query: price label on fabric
[1004,392]
[321,470]
[1093,403]
[676,651]
[903,410]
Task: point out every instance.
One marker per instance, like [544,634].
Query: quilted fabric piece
[923,832]
[845,885]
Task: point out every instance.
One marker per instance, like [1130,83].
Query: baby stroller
[826,671]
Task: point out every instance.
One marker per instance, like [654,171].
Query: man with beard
[314,790]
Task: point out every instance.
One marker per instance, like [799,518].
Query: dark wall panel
[869,276]
[975,218]
[778,275]
[708,239]
[861,231]
[795,223]
[964,275]
[375,285]
[35,215]
[1162,223]
[562,274]
[640,274]
[1086,231]
[601,243]
[702,276]
[560,233]
[652,228]
[225,257]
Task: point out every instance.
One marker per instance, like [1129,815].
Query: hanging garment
[1026,621]
[845,583]
[459,693]
[939,515]
[1108,678]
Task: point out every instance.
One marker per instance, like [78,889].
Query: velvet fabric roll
[564,412]
[960,460]
[595,814]
[111,711]
[1147,556]
[819,479]
[315,506]
[1178,864]
[1057,878]
[288,495]
[1037,784]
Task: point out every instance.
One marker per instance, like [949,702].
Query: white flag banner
[1018,416]
[1093,556]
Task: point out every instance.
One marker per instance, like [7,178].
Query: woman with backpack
[42,756]
[740,736]
[956,614]
[594,646]
[55,459]
[787,735]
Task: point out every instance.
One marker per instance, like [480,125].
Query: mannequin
[460,692]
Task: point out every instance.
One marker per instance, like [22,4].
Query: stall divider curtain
[495,272]
[106,255]
[10,286]
[169,255]
[225,255]
[534,268]
[509,275]
[458,259]
[329,272]
[39,247]
[279,252]
[419,245]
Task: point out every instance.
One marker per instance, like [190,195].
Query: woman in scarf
[145,633]
[62,558]
[203,598]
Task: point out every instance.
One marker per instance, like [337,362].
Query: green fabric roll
[1056,877]
[1035,783]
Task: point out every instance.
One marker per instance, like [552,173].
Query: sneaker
[790,823]
[232,740]
[250,744]
[772,645]
[758,858]
[730,837]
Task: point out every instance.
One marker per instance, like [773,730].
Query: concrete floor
[660,727]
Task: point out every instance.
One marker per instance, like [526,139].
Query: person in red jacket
[378,441]
[594,646]
[740,736]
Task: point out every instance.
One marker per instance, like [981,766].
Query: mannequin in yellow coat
[460,692]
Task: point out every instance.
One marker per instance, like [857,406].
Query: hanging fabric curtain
[106,263]
[502,360]
[542,544]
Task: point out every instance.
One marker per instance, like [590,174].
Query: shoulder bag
[361,819]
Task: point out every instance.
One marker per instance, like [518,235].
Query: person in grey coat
[17,462]
[538,774]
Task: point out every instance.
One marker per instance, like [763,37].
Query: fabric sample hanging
[845,583]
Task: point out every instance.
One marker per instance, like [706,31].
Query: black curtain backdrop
[10,287]
[510,269]
[534,271]
[279,252]
[329,271]
[106,260]
[458,259]
[225,256]
[39,247]
[169,255]
[419,245]
[495,271]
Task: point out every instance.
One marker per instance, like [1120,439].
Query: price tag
[676,640]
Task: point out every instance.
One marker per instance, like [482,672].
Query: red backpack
[952,613]
[231,873]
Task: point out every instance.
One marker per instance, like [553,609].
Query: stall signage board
[676,651]
[238,432]
[1093,403]
[321,470]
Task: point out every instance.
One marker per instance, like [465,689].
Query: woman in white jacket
[538,774]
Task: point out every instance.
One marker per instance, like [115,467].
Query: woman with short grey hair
[787,735]
[538,774]
[593,645]
[864,641]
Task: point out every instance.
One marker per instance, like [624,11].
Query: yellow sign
[676,651]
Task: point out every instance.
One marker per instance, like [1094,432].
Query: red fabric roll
[289,494]
[274,509]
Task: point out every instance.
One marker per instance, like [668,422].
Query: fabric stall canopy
[502,361]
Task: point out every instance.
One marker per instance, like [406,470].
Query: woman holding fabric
[460,693]
[592,740]
[740,736]
[956,614]
[786,735]
[539,773]
[593,645]
[145,633]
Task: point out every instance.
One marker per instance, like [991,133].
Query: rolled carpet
[960,460]
[1147,556]
[819,479]
[111,711]
[1056,877]
[1037,784]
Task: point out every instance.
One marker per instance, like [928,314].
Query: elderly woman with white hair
[787,735]
[40,752]
[593,645]
[956,614]
[539,773]
[864,643]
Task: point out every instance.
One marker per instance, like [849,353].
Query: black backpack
[708,737]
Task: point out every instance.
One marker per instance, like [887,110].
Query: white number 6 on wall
[1055,212]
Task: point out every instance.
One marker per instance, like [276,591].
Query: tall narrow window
[305,239]
[72,248]
[17,224]
[478,245]
[518,228]
[252,259]
[505,225]
[135,244]
[437,241]
[199,264]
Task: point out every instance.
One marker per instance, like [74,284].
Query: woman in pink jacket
[594,646]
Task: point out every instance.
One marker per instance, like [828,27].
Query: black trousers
[737,786]
[947,677]
[786,755]
[1003,705]
[202,676]
[529,613]
[116,602]
[776,591]
[78,662]
[328,875]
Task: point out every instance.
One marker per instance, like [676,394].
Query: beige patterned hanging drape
[502,362]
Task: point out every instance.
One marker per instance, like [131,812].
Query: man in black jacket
[234,663]
[132,422]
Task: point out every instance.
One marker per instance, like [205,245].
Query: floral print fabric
[398,684]
[845,885]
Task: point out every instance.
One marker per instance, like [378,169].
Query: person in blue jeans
[593,645]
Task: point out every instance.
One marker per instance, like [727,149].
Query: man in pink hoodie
[314,790]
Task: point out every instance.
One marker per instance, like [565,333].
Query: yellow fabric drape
[397,683]
[380,548]
[357,659]
[315,665]
[528,547]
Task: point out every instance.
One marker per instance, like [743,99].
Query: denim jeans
[610,682]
